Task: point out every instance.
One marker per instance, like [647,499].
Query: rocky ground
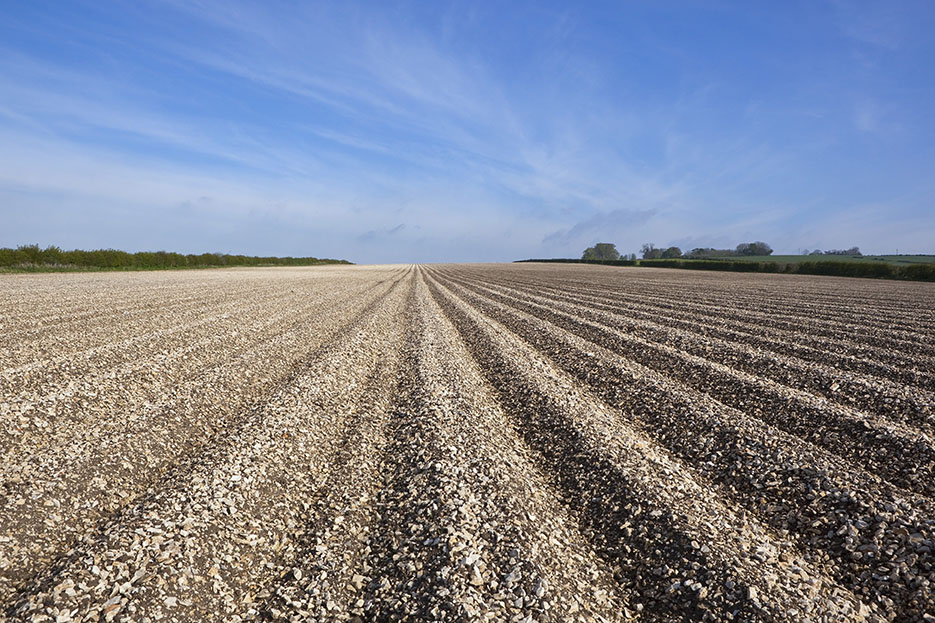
[466,443]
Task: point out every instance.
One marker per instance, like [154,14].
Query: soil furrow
[900,454]
[522,443]
[685,553]
[880,396]
[836,355]
[76,490]
[734,317]
[792,321]
[829,507]
[157,377]
[867,298]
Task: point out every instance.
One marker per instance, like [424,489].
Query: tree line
[32,255]
[853,251]
[607,251]
[607,254]
[744,249]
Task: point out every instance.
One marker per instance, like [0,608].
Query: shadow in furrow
[907,463]
[863,529]
[729,346]
[410,560]
[819,317]
[650,556]
[624,300]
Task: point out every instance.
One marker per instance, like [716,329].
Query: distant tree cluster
[754,248]
[743,249]
[605,251]
[650,252]
[33,255]
[602,251]
[854,251]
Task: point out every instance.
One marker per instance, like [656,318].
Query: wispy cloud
[428,133]
[606,224]
[373,234]
[871,23]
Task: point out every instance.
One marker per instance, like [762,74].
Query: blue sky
[460,131]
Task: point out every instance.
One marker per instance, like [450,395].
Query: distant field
[902,260]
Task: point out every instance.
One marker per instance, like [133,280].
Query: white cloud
[387,141]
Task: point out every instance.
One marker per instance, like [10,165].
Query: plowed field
[466,443]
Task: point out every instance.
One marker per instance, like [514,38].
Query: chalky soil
[515,443]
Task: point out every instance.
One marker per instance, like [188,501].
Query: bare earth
[466,443]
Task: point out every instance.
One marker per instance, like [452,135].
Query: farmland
[520,442]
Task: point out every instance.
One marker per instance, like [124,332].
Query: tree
[852,251]
[602,251]
[754,248]
[761,248]
[650,252]
[672,252]
[31,253]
